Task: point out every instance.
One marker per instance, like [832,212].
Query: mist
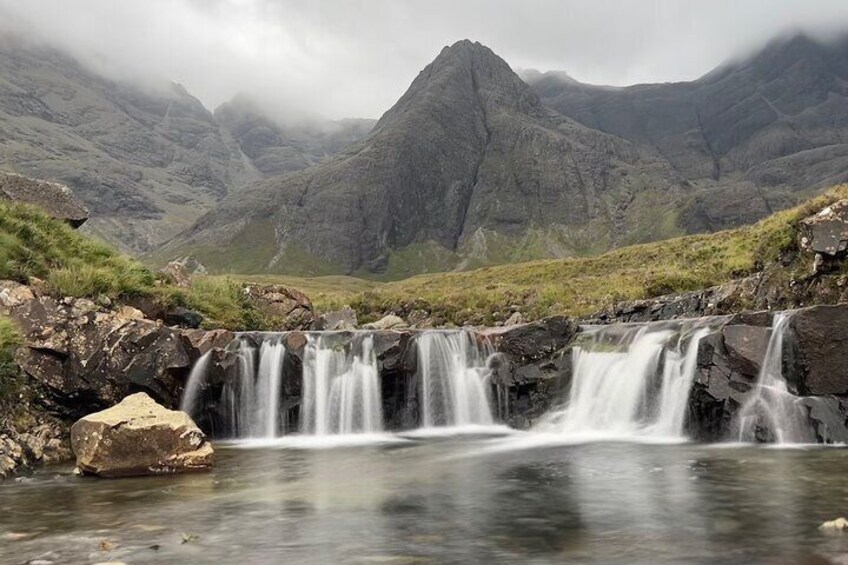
[336,59]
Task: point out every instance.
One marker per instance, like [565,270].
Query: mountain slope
[752,134]
[275,149]
[468,167]
[147,163]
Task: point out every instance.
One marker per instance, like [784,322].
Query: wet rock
[56,199]
[178,273]
[819,338]
[390,322]
[532,341]
[288,307]
[139,437]
[199,342]
[344,319]
[746,346]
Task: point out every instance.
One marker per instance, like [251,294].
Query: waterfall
[341,390]
[196,378]
[630,381]
[453,379]
[771,408]
[267,393]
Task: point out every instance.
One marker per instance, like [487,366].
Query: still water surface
[444,500]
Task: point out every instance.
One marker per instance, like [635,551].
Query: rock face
[748,135]
[56,199]
[468,158]
[820,353]
[139,437]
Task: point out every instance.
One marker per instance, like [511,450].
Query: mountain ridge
[467,152]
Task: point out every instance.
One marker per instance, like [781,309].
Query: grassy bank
[10,339]
[577,286]
[33,245]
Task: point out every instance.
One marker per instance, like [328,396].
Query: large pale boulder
[344,319]
[139,437]
[389,322]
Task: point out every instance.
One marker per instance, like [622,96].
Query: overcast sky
[354,58]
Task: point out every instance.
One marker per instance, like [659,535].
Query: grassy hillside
[577,286]
[33,245]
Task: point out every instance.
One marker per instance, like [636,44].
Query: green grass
[582,286]
[10,339]
[34,245]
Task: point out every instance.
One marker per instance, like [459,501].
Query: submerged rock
[838,525]
[139,437]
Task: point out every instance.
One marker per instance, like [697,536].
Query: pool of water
[443,500]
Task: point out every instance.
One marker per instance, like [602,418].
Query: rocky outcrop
[56,199]
[84,357]
[826,235]
[139,437]
[178,273]
[289,308]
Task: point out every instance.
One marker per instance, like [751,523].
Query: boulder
[344,319]
[290,308]
[178,273]
[390,322]
[182,317]
[139,437]
[56,199]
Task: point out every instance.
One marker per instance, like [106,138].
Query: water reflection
[447,500]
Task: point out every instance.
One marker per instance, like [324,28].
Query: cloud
[345,58]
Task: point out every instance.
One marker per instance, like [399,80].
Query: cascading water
[453,379]
[267,422]
[191,395]
[618,390]
[341,391]
[771,411]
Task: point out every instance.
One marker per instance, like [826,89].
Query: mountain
[468,167]
[753,135]
[276,149]
[147,161]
